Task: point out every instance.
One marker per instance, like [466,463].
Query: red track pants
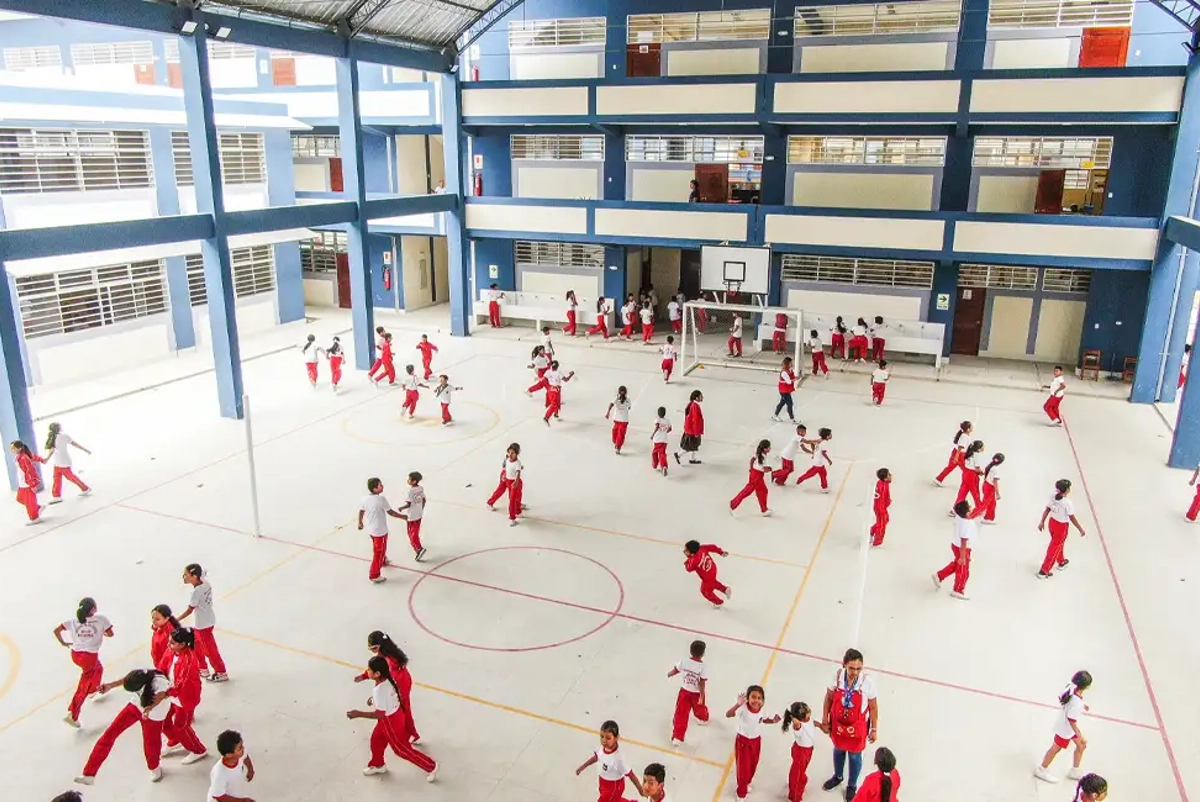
[1051,407]
[647,332]
[1058,539]
[89,679]
[785,470]
[746,752]
[987,506]
[335,370]
[818,471]
[569,329]
[1194,510]
[818,363]
[879,528]
[494,314]
[779,341]
[613,791]
[27,497]
[207,651]
[414,534]
[735,346]
[129,715]
[954,462]
[877,349]
[878,390]
[757,486]
[393,731]
[710,586]
[601,326]
[178,728]
[427,364]
[69,475]
[378,555]
[798,775]
[619,429]
[410,402]
[961,572]
[687,704]
[969,487]
[658,456]
[515,491]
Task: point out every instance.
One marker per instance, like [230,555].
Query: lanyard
[848,690]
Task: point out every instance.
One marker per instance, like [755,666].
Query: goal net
[768,334]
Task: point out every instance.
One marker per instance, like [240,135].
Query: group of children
[58,449]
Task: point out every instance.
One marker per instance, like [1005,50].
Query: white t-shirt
[375,514]
[647,316]
[1073,710]
[62,450]
[792,448]
[737,328]
[673,311]
[627,314]
[971,463]
[202,601]
[876,329]
[814,345]
[964,529]
[310,354]
[662,427]
[160,685]
[228,781]
[412,383]
[384,698]
[571,304]
[620,410]
[859,331]
[1061,509]
[993,474]
[690,673]
[819,455]
[444,393]
[547,344]
[554,378]
[416,501]
[1058,386]
[88,636]
[512,467]
[495,295]
[749,723]
[541,361]
[865,685]
[879,376]
[804,734]
[611,766]
[669,353]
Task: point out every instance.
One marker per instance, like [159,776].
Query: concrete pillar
[453,147]
[355,189]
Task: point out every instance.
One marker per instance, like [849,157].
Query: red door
[712,182]
[343,280]
[1050,192]
[968,321]
[643,61]
[1104,47]
[336,182]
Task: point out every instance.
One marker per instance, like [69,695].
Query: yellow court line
[14,663]
[469,698]
[787,623]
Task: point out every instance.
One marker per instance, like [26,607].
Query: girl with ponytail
[311,353]
[991,490]
[87,631]
[757,482]
[1060,511]
[883,784]
[380,643]
[390,723]
[58,451]
[1066,728]
[184,674]
[28,480]
[961,438]
[148,707]
[797,719]
[162,624]
[970,471]
[1091,788]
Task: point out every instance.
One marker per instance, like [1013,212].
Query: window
[1059,279]
[86,55]
[703,26]
[51,160]
[892,151]
[879,19]
[21,59]
[998,277]
[713,149]
[1059,13]
[1080,153]
[319,254]
[315,146]
[529,34]
[242,159]
[216,50]
[553,147]
[848,270]
[559,254]
[74,300]
[253,273]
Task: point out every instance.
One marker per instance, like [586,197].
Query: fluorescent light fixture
[188,28]
[222,33]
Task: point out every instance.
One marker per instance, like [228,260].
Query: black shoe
[693,462]
[832,782]
[1043,575]
[850,791]
[676,455]
[1063,564]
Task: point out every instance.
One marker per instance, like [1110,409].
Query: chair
[1129,369]
[1091,364]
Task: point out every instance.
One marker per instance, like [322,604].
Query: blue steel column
[456,221]
[1189,282]
[16,419]
[183,326]
[362,309]
[210,199]
[281,191]
[1185,444]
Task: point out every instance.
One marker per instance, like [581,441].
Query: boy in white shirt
[647,315]
[669,355]
[229,780]
[879,379]
[1058,389]
[675,315]
[735,335]
[818,353]
[412,511]
[658,441]
[372,516]
[691,697]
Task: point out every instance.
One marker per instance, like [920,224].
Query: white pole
[250,459]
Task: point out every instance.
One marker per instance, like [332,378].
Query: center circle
[609,615]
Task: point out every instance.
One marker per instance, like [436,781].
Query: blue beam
[16,419]
[355,189]
[1183,231]
[281,218]
[381,208]
[1185,444]
[31,243]
[457,248]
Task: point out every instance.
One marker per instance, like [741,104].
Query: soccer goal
[768,334]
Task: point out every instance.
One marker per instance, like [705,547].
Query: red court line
[1137,648]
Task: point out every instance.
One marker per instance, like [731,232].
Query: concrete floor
[523,640]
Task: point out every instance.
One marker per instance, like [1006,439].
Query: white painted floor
[523,640]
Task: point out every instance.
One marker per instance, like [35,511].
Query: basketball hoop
[732,286]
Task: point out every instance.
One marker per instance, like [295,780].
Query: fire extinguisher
[387,278]
[474,72]
[477,180]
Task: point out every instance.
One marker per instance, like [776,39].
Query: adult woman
[851,719]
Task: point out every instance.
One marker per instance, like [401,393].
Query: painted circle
[425,427]
[610,617]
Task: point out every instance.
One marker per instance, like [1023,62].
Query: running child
[162,624]
[883,500]
[184,696]
[693,428]
[336,355]
[675,314]
[540,363]
[957,451]
[747,746]
[991,490]
[546,343]
[311,352]
[377,365]
[494,299]
[201,603]
[654,780]
[572,308]
[618,413]
[58,451]
[692,686]
[820,460]
[877,330]
[837,339]
[961,541]
[443,393]
[381,644]
[611,766]
[883,784]
[669,354]
[427,350]
[147,707]
[555,380]
[230,779]
[511,483]
[601,326]
[388,362]
[698,560]
[787,457]
[412,392]
[412,511]
[647,316]
[627,312]
[373,516]
[797,719]
[28,480]
[1066,729]
[1058,389]
[879,380]
[735,335]
[757,481]
[658,441]
[970,472]
[1194,510]
[1060,511]
[787,386]
[818,354]
[391,723]
[86,631]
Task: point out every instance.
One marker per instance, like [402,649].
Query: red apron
[849,722]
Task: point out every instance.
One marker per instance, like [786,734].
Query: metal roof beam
[484,23]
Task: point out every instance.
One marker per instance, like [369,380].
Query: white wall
[36,210]
[545,101]
[320,292]
[834,97]
[853,303]
[874,58]
[410,162]
[441,269]
[707,226]
[664,273]
[315,71]
[714,61]
[553,282]
[311,175]
[529,66]
[1059,95]
[63,358]
[548,219]
[1007,193]
[238,197]
[861,232]
[844,190]
[540,180]
[414,260]
[1008,334]
[1060,327]
[233,73]
[663,186]
[614,100]
[1012,54]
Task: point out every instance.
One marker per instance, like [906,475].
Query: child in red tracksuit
[747,747]
[386,361]
[693,428]
[991,490]
[443,393]
[412,511]
[378,363]
[798,719]
[658,442]
[700,563]
[883,500]
[691,691]
[539,363]
[554,384]
[427,350]
[611,766]
[1194,510]
[184,673]
[391,723]
[757,481]
[28,480]
[956,453]
[412,392]
[618,413]
[970,470]
[510,481]
[381,644]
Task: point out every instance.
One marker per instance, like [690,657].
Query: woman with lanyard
[850,719]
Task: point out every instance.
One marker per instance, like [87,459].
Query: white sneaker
[728,592]
[766,513]
[954,594]
[937,583]
[431,776]
[35,522]
[70,722]
[205,673]
[717,606]
[379,579]
[825,490]
[512,523]
[55,501]
[83,779]
[939,482]
[1044,775]
[194,758]
[222,677]
[675,742]
[1075,773]
[156,775]
[989,523]
[171,751]
[372,770]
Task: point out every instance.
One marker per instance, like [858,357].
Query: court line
[1137,648]
[14,663]
[425,420]
[476,699]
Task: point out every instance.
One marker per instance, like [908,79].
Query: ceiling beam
[484,23]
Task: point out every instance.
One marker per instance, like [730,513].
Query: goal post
[707,335]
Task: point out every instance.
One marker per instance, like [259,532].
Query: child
[627,310]
[184,673]
[162,624]
[230,779]
[443,392]
[1058,389]
[970,471]
[494,299]
[379,343]
[669,355]
[818,354]
[692,688]
[883,500]
[412,511]
[779,335]
[1066,729]
[554,384]
[658,440]
[991,490]
[613,769]
[427,350]
[540,363]
[701,564]
[88,631]
[411,391]
[28,480]
[858,341]
[757,481]
[883,784]
[1091,788]
[693,428]
[336,355]
[58,449]
[148,707]
[787,456]
[510,481]
[647,316]
[201,603]
[390,723]
[735,335]
[546,344]
[389,364]
[311,352]
[601,326]
[675,315]
[956,452]
[1060,511]
[372,516]
[820,460]
[787,386]
[879,380]
[877,340]
[1194,510]
[798,719]
[965,530]
[654,780]
[618,413]
[380,643]
[572,305]
[1183,365]
[837,339]
[747,747]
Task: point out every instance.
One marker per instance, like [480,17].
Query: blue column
[614,167]
[350,130]
[614,279]
[969,55]
[210,199]
[281,191]
[183,326]
[781,45]
[1189,282]
[1185,445]
[457,248]
[945,282]
[16,419]
[774,174]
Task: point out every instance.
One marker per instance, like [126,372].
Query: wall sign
[387,257]
[493,271]
[943,301]
[478,161]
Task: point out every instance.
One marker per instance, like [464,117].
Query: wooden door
[343,279]
[712,182]
[283,71]
[175,76]
[1051,184]
[1104,47]
[336,180]
[144,74]
[643,61]
[968,321]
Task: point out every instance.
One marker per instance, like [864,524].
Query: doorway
[342,260]
[689,273]
[712,183]
[643,61]
[968,321]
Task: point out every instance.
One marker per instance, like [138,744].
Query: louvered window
[90,54]
[253,273]
[1059,279]
[714,149]
[878,19]
[559,254]
[316,146]
[530,34]
[75,300]
[243,160]
[319,254]
[998,277]
[1081,153]
[217,51]
[51,160]
[702,26]
[892,151]
[21,59]
[1059,13]
[554,147]
[867,272]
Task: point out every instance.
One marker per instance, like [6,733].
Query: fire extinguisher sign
[478,161]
